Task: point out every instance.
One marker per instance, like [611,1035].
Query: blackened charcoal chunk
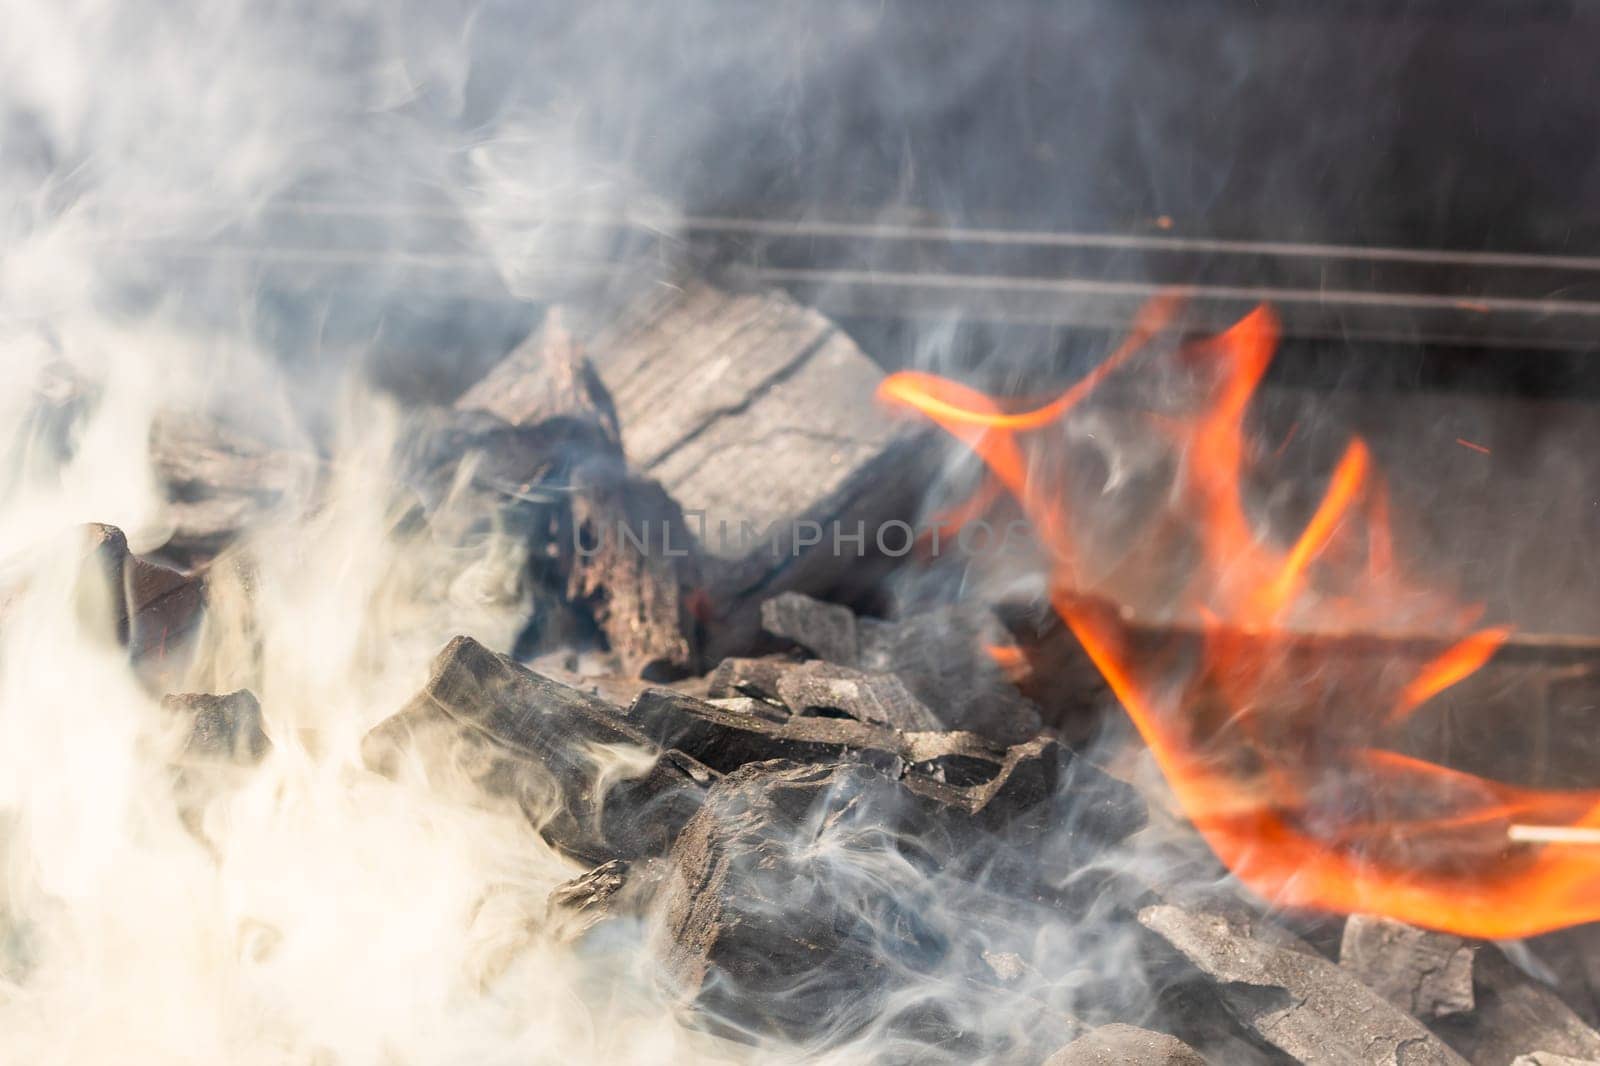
[596,787]
[789,906]
[1481,1004]
[1424,973]
[826,630]
[222,728]
[942,656]
[1126,1045]
[756,678]
[1292,997]
[878,699]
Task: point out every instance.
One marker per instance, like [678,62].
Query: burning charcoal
[224,728]
[759,414]
[942,657]
[1126,1045]
[826,630]
[578,905]
[1423,973]
[596,787]
[1294,998]
[220,481]
[547,376]
[877,699]
[784,909]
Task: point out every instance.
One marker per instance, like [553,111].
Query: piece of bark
[1424,973]
[547,376]
[633,588]
[220,728]
[1126,1045]
[758,416]
[1292,997]
[877,699]
[593,785]
[826,630]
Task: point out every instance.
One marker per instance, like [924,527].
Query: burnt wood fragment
[756,678]
[220,728]
[942,656]
[596,787]
[1292,997]
[1473,996]
[785,906]
[1126,1045]
[152,608]
[1036,792]
[877,699]
[612,890]
[826,630]
[1424,973]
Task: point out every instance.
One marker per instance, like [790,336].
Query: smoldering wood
[1292,997]
[1126,1045]
[1424,973]
[759,939]
[755,678]
[594,786]
[1036,796]
[225,728]
[758,414]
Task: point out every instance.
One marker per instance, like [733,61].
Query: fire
[1273,742]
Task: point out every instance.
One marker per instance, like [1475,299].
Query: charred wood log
[813,901]
[1294,998]
[1474,997]
[1126,1045]
[822,689]
[152,608]
[826,630]
[595,787]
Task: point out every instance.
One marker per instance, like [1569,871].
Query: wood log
[757,415]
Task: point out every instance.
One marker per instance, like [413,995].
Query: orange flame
[1264,736]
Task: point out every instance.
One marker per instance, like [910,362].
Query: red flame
[1272,743]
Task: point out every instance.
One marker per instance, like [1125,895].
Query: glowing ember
[1271,741]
